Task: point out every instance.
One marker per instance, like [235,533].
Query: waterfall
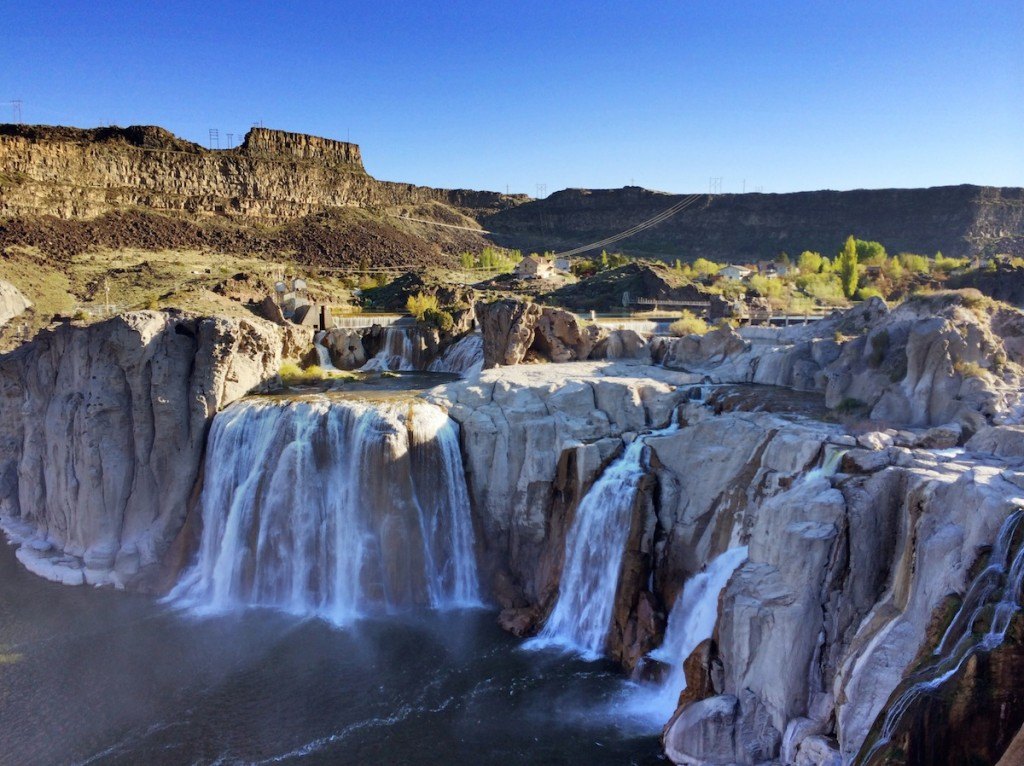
[397,352]
[465,357]
[594,548]
[332,508]
[691,621]
[996,590]
[323,352]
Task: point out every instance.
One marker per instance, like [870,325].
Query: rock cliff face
[945,358]
[846,577]
[272,176]
[102,429]
[958,220]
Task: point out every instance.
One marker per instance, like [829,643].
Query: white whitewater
[997,589]
[323,353]
[333,508]
[594,547]
[691,621]
[398,352]
[464,357]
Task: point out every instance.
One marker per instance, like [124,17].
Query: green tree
[604,260]
[679,265]
[702,267]
[871,253]
[846,266]
[809,262]
[468,260]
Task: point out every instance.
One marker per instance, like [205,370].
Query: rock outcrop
[12,302]
[845,576]
[102,429]
[951,357]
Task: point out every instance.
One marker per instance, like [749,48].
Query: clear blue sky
[787,95]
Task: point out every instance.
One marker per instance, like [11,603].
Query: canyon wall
[102,429]
[847,578]
[273,176]
[958,220]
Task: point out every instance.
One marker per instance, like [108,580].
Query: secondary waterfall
[691,621]
[322,352]
[465,357]
[333,508]
[994,595]
[594,547]
[399,350]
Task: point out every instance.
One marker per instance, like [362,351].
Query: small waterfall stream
[465,357]
[594,547]
[398,352]
[333,508]
[323,353]
[691,621]
[994,594]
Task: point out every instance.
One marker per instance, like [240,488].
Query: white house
[733,271]
[534,267]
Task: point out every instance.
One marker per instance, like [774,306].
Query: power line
[642,226]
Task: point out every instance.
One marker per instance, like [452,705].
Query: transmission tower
[542,190]
[16,108]
[231,140]
[715,185]
[214,138]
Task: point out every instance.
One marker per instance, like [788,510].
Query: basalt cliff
[958,220]
[870,613]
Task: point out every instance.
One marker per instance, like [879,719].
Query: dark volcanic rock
[958,220]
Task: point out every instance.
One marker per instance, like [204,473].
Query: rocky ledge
[102,430]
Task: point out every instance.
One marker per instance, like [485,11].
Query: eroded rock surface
[102,429]
[12,302]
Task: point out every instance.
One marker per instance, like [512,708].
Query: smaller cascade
[594,547]
[691,621]
[464,357]
[398,351]
[323,352]
[994,595]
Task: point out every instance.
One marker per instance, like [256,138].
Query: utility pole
[214,138]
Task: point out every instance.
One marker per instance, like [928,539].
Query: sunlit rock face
[952,357]
[102,430]
[334,509]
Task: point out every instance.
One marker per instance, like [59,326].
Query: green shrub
[865,293]
[439,319]
[418,305]
[688,324]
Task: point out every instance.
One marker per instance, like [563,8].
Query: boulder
[12,302]
[698,351]
[508,328]
[561,337]
[346,347]
[624,344]
[1004,441]
[270,310]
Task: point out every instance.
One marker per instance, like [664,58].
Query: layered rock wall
[271,177]
[102,429]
